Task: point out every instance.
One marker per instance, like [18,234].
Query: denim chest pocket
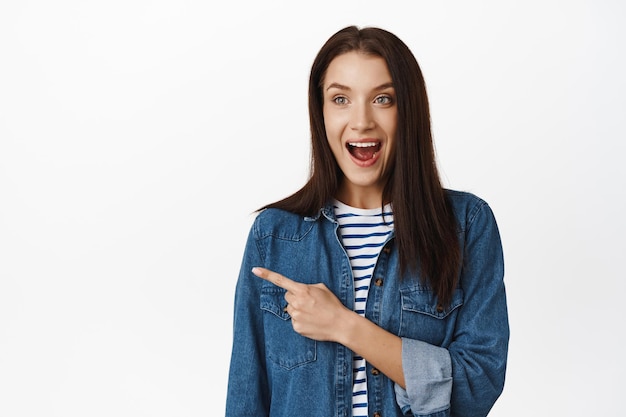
[423,318]
[285,347]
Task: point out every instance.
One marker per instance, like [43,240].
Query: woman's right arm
[247,393]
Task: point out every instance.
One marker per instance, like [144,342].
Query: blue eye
[383,100]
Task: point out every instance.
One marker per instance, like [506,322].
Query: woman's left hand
[315,311]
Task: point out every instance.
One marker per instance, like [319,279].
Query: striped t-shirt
[363,233]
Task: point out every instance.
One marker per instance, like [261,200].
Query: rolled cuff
[428,377]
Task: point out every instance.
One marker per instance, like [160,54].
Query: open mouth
[363,151]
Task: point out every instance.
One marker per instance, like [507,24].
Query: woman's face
[360,116]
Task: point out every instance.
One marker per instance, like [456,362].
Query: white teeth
[363,144]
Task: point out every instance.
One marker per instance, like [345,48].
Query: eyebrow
[344,87]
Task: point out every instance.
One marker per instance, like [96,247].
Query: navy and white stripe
[363,233]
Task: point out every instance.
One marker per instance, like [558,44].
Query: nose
[361,118]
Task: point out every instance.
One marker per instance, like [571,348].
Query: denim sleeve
[428,380]
[247,392]
[470,373]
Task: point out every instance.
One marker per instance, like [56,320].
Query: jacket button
[375,371]
[387,250]
[439,308]
[378,282]
[377,414]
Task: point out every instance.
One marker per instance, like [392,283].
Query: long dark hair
[425,225]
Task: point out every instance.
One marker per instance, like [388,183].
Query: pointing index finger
[275,278]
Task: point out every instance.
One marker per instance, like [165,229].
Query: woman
[371,291]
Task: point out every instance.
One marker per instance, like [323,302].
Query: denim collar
[327,211]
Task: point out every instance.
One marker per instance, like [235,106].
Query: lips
[364,150]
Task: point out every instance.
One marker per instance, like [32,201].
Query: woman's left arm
[318,314]
[474,363]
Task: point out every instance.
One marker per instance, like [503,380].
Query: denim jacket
[454,359]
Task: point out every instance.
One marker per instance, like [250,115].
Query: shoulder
[281,224]
[467,207]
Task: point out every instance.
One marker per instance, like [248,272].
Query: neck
[360,197]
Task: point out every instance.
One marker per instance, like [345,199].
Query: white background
[137,138]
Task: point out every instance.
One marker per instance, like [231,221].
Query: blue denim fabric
[454,360]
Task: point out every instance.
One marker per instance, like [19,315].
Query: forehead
[357,68]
